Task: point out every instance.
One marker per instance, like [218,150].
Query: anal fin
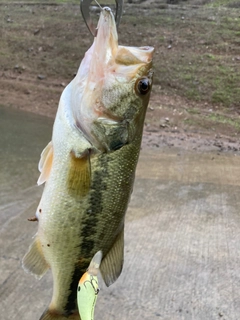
[111,266]
[34,261]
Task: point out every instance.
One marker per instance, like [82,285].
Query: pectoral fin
[45,163]
[79,176]
[34,261]
[112,263]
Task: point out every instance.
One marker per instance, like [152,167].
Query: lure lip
[95,263]
[85,8]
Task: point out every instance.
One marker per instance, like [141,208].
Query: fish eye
[143,86]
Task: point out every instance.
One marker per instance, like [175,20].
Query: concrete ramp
[182,252]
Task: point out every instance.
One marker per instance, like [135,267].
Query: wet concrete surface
[182,258]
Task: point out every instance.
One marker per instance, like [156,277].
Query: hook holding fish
[85,8]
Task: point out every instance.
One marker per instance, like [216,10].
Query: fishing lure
[88,289]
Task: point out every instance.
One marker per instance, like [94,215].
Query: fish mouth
[105,57]
[105,65]
[108,56]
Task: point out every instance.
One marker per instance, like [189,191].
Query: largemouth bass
[88,168]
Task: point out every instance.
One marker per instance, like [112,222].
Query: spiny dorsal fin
[45,163]
[112,263]
[34,261]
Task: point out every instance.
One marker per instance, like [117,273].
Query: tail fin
[54,315]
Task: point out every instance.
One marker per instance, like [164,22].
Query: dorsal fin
[45,163]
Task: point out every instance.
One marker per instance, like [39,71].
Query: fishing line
[98,4]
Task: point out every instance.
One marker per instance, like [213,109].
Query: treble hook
[85,7]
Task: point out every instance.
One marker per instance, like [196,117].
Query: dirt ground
[196,96]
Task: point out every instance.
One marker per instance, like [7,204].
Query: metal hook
[85,6]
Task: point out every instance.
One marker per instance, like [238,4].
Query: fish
[88,289]
[88,167]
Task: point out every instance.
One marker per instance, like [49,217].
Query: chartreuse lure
[88,289]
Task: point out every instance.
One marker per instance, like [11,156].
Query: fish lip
[144,54]
[106,9]
[106,41]
[106,22]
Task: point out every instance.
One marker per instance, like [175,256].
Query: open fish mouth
[106,66]
[107,55]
